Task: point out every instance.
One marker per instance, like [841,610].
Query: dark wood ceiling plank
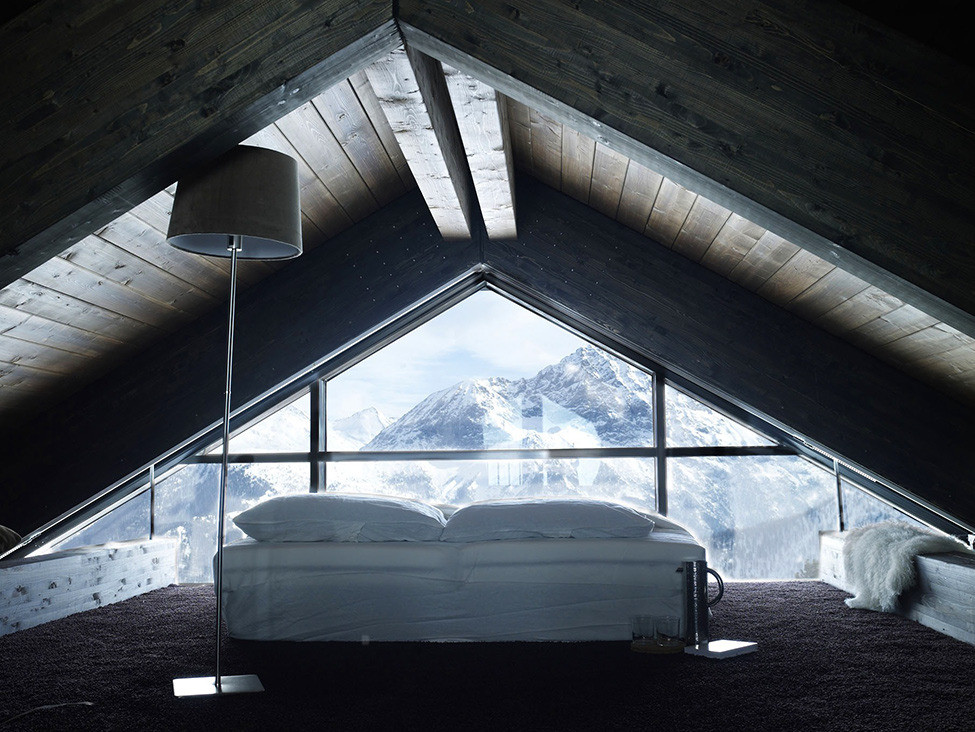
[347,120]
[115,101]
[779,111]
[704,327]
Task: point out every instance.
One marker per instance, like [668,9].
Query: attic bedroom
[603,347]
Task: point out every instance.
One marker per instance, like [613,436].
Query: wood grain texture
[703,326]
[413,95]
[40,589]
[780,111]
[482,120]
[113,101]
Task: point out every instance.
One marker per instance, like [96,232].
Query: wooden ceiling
[116,291]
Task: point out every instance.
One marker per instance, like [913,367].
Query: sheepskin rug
[879,560]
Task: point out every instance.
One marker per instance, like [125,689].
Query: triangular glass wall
[490,400]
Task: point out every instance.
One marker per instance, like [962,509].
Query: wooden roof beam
[482,117]
[814,125]
[411,89]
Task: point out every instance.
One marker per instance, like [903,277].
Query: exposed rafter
[482,117]
[413,94]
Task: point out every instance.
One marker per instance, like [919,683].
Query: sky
[485,335]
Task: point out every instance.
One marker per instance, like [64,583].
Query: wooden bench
[942,599]
[38,589]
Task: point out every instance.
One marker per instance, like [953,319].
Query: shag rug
[819,666]
[879,560]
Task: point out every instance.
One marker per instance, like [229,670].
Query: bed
[574,584]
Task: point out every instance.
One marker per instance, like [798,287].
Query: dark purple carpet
[819,666]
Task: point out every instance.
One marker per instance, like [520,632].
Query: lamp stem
[235,246]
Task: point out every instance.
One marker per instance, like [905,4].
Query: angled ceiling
[817,159]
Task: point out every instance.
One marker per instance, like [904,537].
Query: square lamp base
[206,685]
[722,649]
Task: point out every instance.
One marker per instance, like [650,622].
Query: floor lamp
[244,205]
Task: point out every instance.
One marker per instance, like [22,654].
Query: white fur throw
[879,560]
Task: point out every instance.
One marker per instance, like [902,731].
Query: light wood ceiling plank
[546,148]
[578,152]
[370,103]
[43,357]
[608,177]
[831,290]
[704,221]
[794,277]
[118,265]
[34,328]
[858,310]
[768,255]
[308,134]
[669,212]
[891,326]
[317,202]
[639,194]
[63,276]
[413,95]
[934,340]
[349,124]
[30,297]
[146,242]
[732,244]
[519,123]
[482,119]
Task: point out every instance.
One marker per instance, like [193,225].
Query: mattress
[535,589]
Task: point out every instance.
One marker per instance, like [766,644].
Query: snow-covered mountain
[352,432]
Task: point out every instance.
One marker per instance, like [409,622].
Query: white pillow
[341,517]
[533,518]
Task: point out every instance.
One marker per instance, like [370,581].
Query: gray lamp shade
[249,191]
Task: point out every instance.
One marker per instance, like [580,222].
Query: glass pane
[691,423]
[459,482]
[128,521]
[862,509]
[186,506]
[288,429]
[759,517]
[489,374]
